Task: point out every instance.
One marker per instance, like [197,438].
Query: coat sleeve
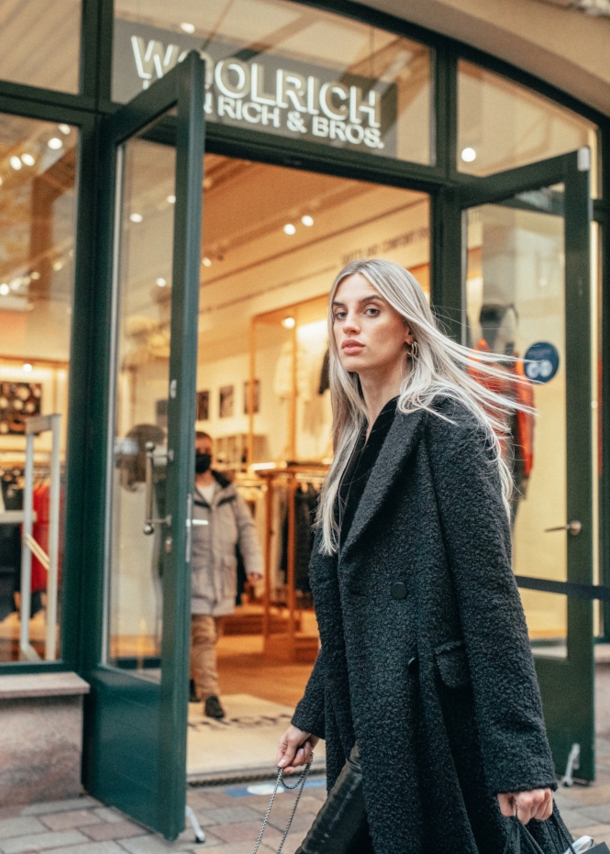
[309,713]
[247,538]
[476,533]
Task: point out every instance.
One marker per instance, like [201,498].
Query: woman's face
[370,335]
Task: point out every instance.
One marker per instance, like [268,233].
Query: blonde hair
[440,369]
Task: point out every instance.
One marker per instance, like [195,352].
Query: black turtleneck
[360,466]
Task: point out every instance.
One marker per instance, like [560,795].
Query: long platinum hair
[440,369]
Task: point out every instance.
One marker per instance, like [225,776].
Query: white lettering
[371,106]
[372,138]
[319,126]
[326,100]
[153,56]
[209,68]
[291,87]
[337,130]
[250,116]
[226,106]
[208,104]
[313,95]
[258,86]
[354,134]
[271,115]
[222,72]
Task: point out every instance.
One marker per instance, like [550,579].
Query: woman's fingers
[537,803]
[293,747]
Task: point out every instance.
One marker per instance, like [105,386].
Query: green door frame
[567,685]
[135,730]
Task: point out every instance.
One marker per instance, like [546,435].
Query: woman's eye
[339,315]
[372,312]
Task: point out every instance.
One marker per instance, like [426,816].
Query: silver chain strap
[300,785]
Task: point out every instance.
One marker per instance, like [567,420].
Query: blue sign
[541,362]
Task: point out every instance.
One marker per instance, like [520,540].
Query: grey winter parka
[425,658]
[214,560]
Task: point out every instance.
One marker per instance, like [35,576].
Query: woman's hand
[295,748]
[536,804]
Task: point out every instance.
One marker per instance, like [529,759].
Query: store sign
[246,87]
[541,362]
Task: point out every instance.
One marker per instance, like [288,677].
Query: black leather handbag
[521,841]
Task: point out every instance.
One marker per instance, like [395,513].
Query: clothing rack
[291,645]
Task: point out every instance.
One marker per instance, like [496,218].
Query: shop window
[502,125]
[40,43]
[285,69]
[37,222]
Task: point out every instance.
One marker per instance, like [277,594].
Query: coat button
[399,590]
[413,665]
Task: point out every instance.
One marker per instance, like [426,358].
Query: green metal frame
[567,685]
[135,734]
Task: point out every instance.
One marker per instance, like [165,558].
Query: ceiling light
[58,265]
[27,367]
[65,129]
[28,159]
[1,182]
[289,228]
[468,155]
[171,199]
[16,162]
[187,28]
[55,143]
[161,282]
[206,262]
[34,275]
[16,283]
[136,217]
[307,220]
[4,289]
[289,323]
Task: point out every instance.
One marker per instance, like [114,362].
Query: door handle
[149,521]
[574,528]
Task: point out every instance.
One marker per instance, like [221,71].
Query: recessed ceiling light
[136,217]
[187,28]
[468,155]
[289,323]
[16,162]
[34,275]
[28,159]
[65,129]
[27,367]
[55,143]
[1,182]
[307,220]
[161,282]
[58,265]
[4,289]
[289,228]
[171,199]
[206,262]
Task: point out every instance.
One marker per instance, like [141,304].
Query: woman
[424,688]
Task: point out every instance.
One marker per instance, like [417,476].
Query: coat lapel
[396,449]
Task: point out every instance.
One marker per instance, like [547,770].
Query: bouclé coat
[425,658]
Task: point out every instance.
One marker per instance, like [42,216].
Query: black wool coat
[425,658]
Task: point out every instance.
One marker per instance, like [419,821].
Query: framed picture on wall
[257,395]
[225,401]
[203,405]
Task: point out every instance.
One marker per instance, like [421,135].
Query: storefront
[153,283]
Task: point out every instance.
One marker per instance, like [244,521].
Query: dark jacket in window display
[214,561]
[425,658]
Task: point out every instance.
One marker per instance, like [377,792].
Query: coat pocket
[452,664]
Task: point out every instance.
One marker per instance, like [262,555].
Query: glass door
[526,280]
[152,156]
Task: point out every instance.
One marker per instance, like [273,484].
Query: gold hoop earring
[414,351]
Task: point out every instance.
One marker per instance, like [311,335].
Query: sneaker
[193,698]
[212,708]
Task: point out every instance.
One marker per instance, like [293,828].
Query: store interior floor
[259,695]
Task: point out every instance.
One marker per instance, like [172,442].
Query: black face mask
[202,462]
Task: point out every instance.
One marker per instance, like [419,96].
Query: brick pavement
[231,817]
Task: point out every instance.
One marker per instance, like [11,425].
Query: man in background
[223,523]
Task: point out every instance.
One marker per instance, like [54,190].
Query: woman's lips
[351,347]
